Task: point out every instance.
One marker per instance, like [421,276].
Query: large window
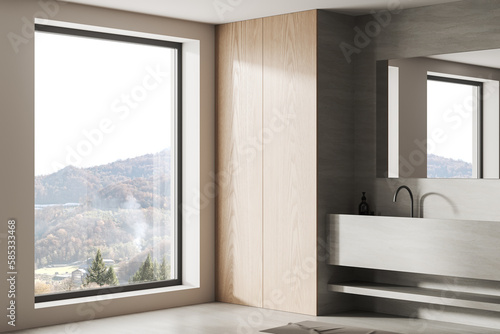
[107,163]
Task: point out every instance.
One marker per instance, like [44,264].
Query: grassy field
[52,271]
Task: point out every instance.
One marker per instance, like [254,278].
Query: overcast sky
[450,111]
[81,86]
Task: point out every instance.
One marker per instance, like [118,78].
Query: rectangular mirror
[438,116]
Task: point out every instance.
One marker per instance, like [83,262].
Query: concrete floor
[220,318]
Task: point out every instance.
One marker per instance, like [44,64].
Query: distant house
[77,276]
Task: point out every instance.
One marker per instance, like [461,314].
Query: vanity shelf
[446,247]
[421,295]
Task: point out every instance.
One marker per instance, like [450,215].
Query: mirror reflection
[438,116]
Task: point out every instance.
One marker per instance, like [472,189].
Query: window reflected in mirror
[453,116]
[438,116]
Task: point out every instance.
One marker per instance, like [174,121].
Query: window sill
[113,296]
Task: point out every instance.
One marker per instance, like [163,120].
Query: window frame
[479,119]
[177,209]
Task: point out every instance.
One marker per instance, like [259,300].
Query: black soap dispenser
[364,208]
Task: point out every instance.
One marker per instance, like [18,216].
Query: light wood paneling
[239,163]
[290,217]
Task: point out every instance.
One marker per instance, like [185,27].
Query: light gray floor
[219,318]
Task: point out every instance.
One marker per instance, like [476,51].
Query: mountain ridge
[441,167]
[145,178]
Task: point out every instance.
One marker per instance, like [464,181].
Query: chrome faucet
[411,197]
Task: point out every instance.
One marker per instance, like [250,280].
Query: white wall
[17,151]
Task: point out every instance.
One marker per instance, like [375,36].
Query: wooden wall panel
[290,219]
[239,163]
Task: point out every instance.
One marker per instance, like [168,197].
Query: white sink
[460,248]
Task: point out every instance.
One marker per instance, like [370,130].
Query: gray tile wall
[453,27]
[335,144]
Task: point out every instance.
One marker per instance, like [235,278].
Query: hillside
[440,167]
[121,208]
[69,235]
[109,186]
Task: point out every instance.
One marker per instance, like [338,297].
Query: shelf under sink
[418,294]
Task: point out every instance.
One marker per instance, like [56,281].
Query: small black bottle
[364,208]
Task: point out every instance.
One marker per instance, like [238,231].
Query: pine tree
[146,272]
[97,271]
[150,271]
[99,274]
[164,272]
[111,278]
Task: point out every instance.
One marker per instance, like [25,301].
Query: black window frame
[178,173]
[480,111]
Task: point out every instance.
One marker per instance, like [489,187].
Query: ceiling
[487,58]
[223,11]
